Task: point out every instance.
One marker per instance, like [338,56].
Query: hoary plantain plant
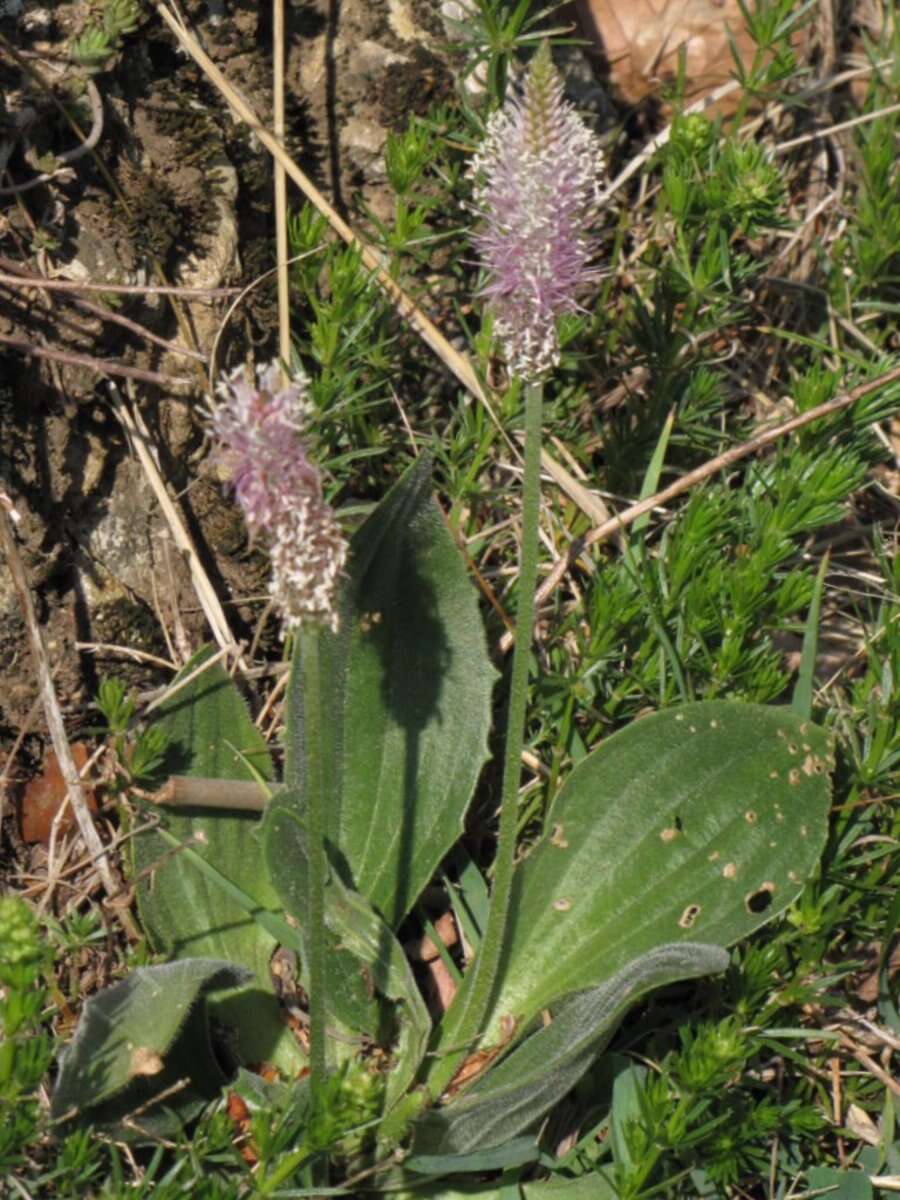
[677,836]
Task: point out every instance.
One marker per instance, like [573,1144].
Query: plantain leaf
[184,912]
[368,938]
[699,823]
[512,1096]
[362,953]
[514,1153]
[142,1046]
[408,685]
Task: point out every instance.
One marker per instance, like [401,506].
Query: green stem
[463,1024]
[318,865]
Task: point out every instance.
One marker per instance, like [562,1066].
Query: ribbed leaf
[516,1093]
[139,1038]
[698,823]
[363,956]
[408,684]
[184,912]
[588,1187]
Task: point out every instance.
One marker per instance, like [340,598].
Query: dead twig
[68,157]
[101,365]
[142,442]
[404,304]
[21,279]
[869,1063]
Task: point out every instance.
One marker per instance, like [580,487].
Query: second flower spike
[258,431]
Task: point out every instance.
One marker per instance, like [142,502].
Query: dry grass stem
[830,130]
[142,443]
[55,724]
[18,278]
[279,183]
[406,307]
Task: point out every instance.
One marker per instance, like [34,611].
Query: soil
[178,192]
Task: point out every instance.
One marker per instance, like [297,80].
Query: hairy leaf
[137,1040]
[183,910]
[515,1094]
[408,685]
[698,823]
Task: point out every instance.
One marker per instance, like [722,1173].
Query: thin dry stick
[662,138]
[371,259]
[828,130]
[21,279]
[242,293]
[622,520]
[280,184]
[53,715]
[164,694]
[142,442]
[869,1063]
[101,365]
[128,652]
[5,774]
[68,156]
[55,862]
[717,94]
[136,328]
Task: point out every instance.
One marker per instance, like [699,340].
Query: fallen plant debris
[652,44]
[43,797]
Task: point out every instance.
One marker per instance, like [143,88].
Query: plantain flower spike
[258,430]
[536,190]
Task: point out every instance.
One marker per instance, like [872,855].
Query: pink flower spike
[258,433]
[537,188]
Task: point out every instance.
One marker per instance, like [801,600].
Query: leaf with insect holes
[697,823]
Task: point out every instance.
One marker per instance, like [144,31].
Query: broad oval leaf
[183,910]
[592,1186]
[210,734]
[698,823]
[406,701]
[136,1040]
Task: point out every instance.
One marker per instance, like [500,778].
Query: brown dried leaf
[43,797]
[643,40]
[425,950]
[867,986]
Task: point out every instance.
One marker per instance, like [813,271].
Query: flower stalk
[536,190]
[259,432]
[463,1022]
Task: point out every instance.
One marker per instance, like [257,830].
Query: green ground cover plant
[694,759]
